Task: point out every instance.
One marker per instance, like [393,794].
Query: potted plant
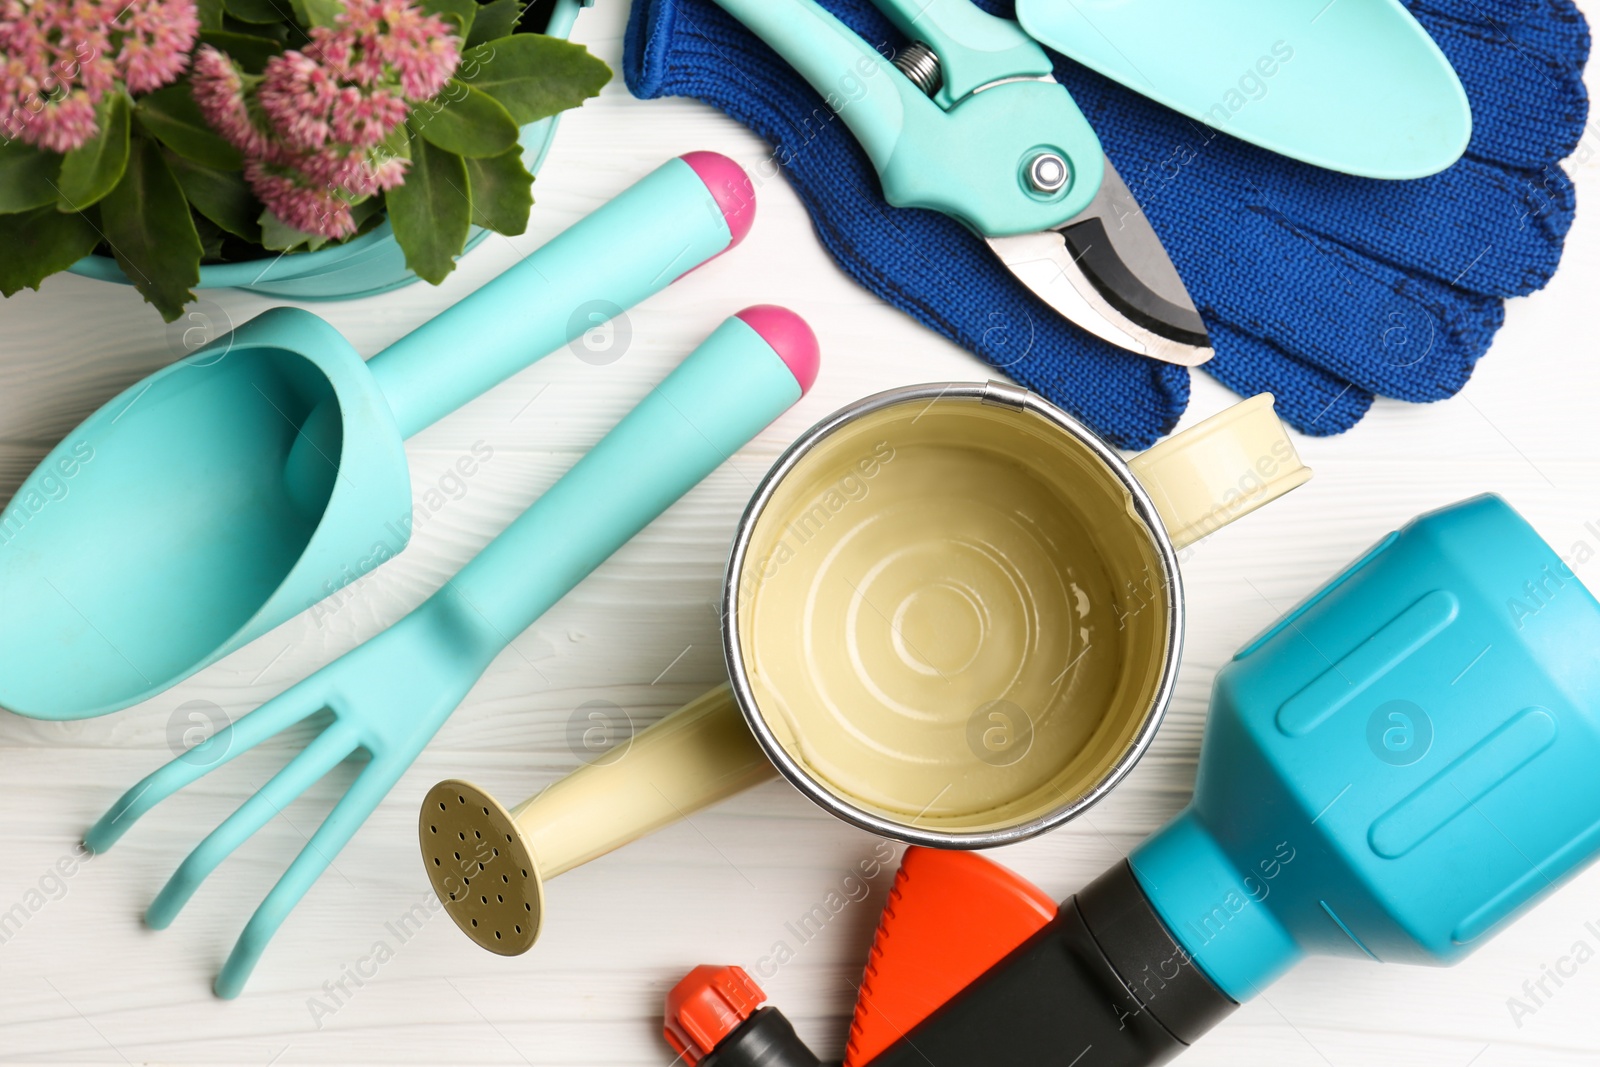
[310,148]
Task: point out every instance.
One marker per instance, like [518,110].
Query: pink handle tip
[730,186]
[790,337]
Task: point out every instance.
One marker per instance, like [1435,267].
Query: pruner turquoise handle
[967,150]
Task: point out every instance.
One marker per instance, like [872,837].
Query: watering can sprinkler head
[482,867]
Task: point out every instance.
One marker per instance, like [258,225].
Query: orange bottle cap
[709,1004]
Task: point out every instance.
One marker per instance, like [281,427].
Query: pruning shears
[968,120]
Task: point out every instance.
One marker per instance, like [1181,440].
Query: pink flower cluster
[312,125]
[58,58]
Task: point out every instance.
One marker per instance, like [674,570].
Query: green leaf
[465,121]
[147,224]
[459,13]
[210,12]
[534,76]
[279,236]
[91,170]
[248,51]
[221,196]
[277,32]
[363,210]
[27,177]
[495,20]
[173,118]
[211,237]
[312,13]
[398,142]
[502,192]
[431,213]
[263,12]
[39,243]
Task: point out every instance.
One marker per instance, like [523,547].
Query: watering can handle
[685,212]
[1220,470]
[698,755]
[748,372]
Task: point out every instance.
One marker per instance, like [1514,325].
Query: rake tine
[335,832]
[284,710]
[324,753]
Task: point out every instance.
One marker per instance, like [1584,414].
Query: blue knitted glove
[1322,288]
[1327,289]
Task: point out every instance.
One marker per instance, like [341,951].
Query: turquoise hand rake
[233,490]
[390,696]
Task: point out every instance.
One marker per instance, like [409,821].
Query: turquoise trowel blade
[1355,86]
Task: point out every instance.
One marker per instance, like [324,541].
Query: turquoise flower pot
[363,266]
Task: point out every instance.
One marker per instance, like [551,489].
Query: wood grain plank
[82,981]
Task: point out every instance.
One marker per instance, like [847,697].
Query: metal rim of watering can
[1144,510]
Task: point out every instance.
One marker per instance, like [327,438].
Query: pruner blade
[1106,270]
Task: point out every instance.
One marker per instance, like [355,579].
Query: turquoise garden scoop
[389,696]
[1355,86]
[225,494]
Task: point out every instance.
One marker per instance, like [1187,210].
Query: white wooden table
[82,980]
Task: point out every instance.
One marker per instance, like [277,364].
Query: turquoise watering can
[225,494]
